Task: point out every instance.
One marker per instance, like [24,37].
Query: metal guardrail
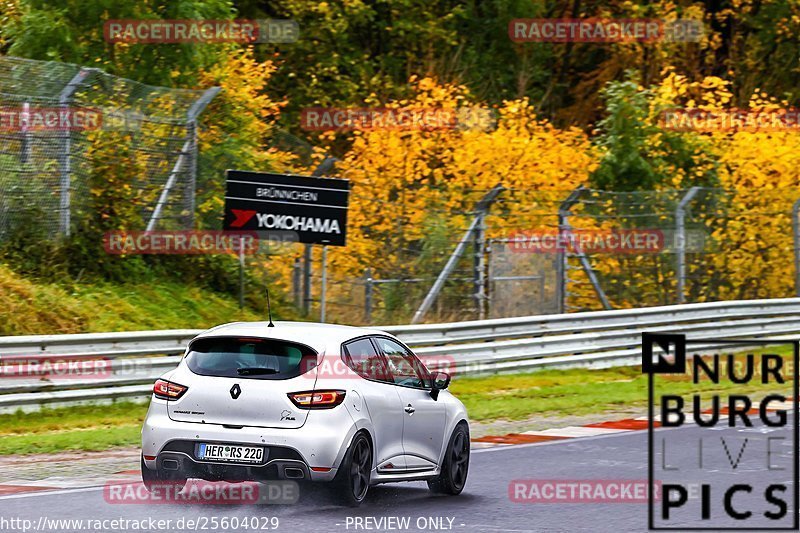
[132,361]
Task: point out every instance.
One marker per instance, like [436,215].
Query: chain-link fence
[520,284]
[64,126]
[679,246]
[377,298]
[561,251]
[630,246]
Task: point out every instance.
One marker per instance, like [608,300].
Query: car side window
[362,357]
[405,369]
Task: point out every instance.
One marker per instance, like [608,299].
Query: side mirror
[439,381]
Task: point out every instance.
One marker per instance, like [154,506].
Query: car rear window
[250,358]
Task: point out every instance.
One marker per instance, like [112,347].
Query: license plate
[228,453]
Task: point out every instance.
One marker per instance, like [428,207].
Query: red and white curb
[568,432]
[20,486]
[626,425]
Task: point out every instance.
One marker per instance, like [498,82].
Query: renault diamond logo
[236,391]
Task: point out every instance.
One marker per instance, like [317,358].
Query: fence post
[241,272]
[324,284]
[296,283]
[25,148]
[565,228]
[326,166]
[307,279]
[480,208]
[65,158]
[561,254]
[479,265]
[368,295]
[490,269]
[191,185]
[185,154]
[796,233]
[680,244]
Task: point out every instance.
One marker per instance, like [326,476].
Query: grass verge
[84,428]
[30,308]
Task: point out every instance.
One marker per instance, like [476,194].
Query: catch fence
[64,128]
[615,250]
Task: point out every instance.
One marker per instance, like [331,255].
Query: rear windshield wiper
[253,370]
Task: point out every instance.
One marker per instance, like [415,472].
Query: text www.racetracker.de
[200,523]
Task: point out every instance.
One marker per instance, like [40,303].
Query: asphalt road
[485,505]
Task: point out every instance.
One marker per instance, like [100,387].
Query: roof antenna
[269,311]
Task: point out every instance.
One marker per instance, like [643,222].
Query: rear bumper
[320,444]
[282,463]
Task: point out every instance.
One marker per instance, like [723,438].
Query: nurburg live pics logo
[724,460]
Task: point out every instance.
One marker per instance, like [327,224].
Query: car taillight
[320,399]
[168,391]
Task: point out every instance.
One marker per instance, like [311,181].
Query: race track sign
[298,208]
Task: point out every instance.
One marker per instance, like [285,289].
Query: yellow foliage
[410,187]
[749,249]
[406,183]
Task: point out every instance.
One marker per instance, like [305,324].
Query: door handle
[410,410]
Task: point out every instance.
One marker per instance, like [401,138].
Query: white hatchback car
[305,401]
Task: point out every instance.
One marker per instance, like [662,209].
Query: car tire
[351,483]
[155,478]
[455,466]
